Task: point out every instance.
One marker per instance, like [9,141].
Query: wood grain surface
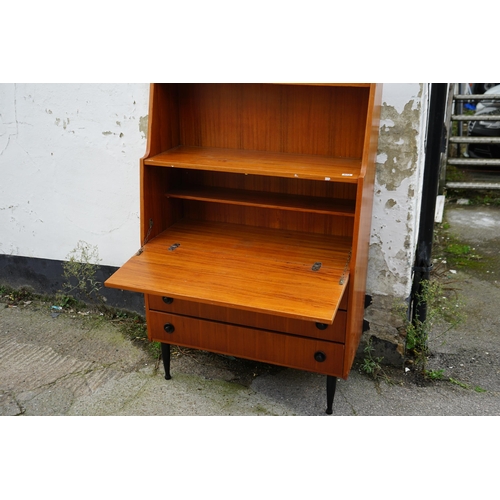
[250,268]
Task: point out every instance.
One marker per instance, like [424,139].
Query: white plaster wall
[69,171]
[396,210]
[69,168]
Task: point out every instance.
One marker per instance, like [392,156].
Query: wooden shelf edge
[312,167]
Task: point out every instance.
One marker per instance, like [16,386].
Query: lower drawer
[334,333]
[260,345]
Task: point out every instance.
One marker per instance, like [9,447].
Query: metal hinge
[342,278]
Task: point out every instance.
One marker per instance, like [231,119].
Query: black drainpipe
[436,141]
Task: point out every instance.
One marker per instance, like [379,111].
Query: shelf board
[250,268]
[261,199]
[313,167]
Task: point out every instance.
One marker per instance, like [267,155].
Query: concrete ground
[74,364]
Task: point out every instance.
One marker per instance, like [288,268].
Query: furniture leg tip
[329,411]
[168,377]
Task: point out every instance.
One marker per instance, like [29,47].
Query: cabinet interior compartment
[282,130]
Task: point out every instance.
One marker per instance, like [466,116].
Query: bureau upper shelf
[299,166]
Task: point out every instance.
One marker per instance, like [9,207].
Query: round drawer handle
[167,300]
[321,326]
[319,356]
[169,328]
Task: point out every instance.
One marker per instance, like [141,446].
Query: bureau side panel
[362,228]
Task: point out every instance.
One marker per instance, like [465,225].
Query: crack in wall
[15,122]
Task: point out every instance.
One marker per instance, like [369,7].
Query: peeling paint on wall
[398,177]
[143,125]
[398,141]
[400,161]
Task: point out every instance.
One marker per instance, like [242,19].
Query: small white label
[346,175]
[327,178]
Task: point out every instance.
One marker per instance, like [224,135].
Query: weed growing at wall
[372,365]
[12,296]
[444,312]
[79,272]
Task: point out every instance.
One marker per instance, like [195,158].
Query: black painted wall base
[45,276]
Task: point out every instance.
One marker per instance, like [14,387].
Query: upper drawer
[334,332]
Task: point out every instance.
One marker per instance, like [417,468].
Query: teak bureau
[256,205]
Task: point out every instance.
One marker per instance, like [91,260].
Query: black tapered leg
[331,385]
[165,356]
